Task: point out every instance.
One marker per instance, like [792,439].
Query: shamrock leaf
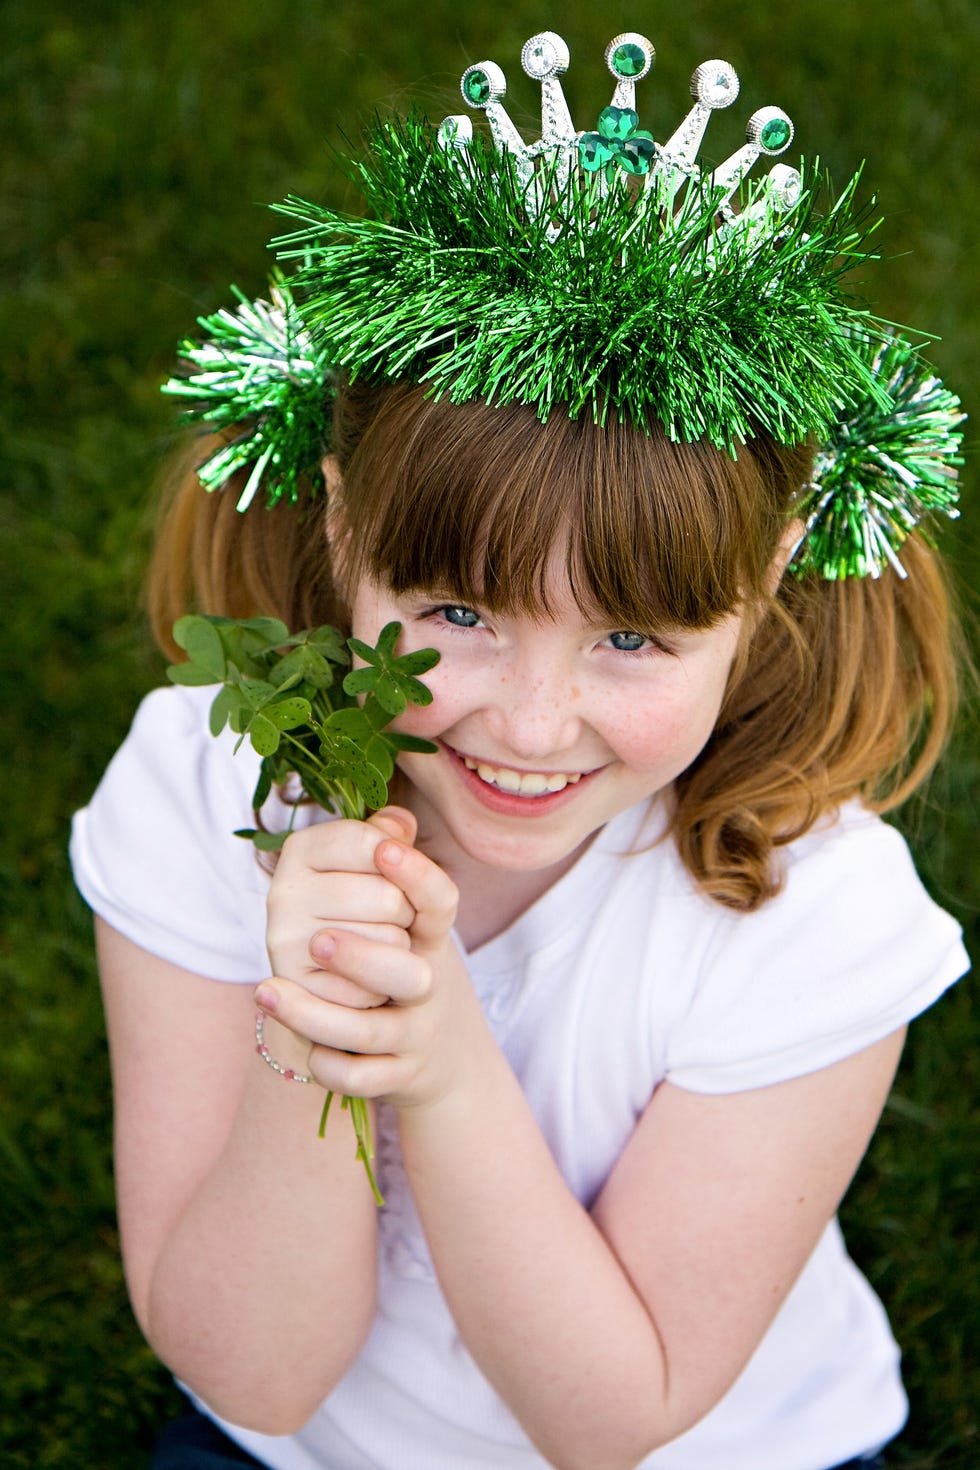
[264,841]
[302,665]
[328,642]
[263,787]
[344,760]
[200,640]
[266,725]
[390,678]
[225,707]
[361,726]
[414,743]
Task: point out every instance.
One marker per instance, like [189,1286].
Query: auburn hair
[840,690]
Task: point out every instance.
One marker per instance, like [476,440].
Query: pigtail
[210,557]
[848,690]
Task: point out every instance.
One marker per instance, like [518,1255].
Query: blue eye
[628,642]
[461,617]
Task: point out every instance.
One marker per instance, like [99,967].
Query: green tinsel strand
[594,305]
[256,370]
[882,471]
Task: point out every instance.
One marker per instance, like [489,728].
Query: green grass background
[140,144]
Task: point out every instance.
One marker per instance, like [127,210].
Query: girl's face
[548,727]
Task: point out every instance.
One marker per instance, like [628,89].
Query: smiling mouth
[521,783]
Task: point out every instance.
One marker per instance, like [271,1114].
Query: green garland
[256,371]
[882,473]
[599,304]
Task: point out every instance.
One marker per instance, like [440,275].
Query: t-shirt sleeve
[154,853]
[851,949]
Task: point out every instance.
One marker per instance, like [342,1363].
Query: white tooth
[533,784]
[469,763]
[557,783]
[572,779]
[487,773]
[508,781]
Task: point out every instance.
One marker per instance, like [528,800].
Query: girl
[625,966]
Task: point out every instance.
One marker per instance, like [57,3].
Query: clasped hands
[364,967]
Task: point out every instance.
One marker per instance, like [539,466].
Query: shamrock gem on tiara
[619,141]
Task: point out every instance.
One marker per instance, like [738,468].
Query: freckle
[801,1199]
[575,692]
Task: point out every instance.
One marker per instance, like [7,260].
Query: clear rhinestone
[455,132]
[715,84]
[539,59]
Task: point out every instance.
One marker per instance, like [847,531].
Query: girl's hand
[326,874]
[389,1017]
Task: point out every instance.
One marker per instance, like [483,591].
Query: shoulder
[850,949]
[171,772]
[155,854]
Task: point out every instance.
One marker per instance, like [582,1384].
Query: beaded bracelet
[286,1072]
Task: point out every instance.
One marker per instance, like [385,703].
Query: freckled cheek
[668,734]
[424,720]
[448,706]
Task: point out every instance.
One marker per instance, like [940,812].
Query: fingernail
[392,853]
[323,947]
[267,998]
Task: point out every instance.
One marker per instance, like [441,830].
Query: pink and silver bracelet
[286,1072]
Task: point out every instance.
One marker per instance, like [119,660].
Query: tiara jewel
[618,148]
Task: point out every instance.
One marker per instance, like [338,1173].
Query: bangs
[477,502]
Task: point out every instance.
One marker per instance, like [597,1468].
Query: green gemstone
[637,153]
[628,60]
[476,88]
[617,122]
[776,133]
[594,152]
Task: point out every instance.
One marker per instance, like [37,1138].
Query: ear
[788,543]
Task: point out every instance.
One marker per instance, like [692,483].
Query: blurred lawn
[140,143]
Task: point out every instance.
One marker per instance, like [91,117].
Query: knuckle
[450,898]
[420,986]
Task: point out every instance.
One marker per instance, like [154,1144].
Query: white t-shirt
[621,975]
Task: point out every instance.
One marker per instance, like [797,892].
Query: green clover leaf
[389,677]
[200,640]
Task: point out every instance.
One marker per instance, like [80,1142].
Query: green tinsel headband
[592,272]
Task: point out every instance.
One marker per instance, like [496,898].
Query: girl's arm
[607,1334]
[249,1242]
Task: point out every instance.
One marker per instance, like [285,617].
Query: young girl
[625,966]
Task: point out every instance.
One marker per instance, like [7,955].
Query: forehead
[492,505]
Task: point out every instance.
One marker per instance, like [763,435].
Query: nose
[537,712]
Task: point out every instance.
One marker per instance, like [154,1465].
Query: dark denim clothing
[194,1443]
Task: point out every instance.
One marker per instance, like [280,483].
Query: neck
[490,898]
